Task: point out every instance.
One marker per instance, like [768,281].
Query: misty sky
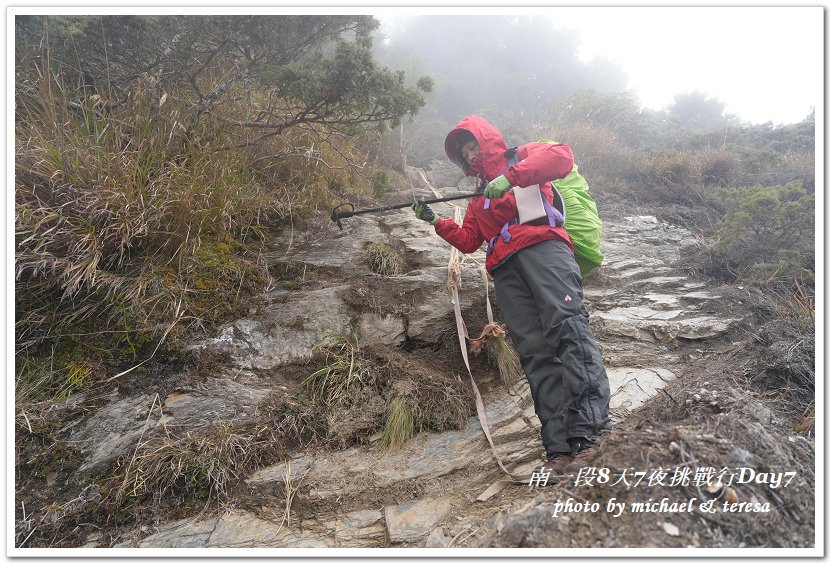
[764,63]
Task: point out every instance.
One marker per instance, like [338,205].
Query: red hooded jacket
[538,163]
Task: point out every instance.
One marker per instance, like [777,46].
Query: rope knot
[492,330]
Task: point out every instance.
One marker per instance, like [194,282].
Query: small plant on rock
[380,184]
[384,260]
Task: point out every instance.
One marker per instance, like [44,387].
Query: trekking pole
[337,215]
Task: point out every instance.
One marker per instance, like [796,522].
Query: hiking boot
[554,465]
[586,454]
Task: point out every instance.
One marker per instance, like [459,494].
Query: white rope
[454,283]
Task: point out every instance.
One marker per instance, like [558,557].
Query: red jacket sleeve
[467,238]
[539,163]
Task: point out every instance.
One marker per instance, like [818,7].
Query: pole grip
[336,215]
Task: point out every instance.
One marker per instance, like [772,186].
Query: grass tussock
[423,405]
[384,260]
[199,465]
[400,424]
[799,302]
[439,406]
[601,152]
[794,358]
[300,423]
[41,381]
[342,374]
[356,394]
[337,403]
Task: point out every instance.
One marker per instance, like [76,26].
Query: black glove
[424,213]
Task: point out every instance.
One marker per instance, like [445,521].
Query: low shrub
[598,151]
[767,235]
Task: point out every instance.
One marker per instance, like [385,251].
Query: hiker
[538,284]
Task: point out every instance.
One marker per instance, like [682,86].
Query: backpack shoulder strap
[558,202]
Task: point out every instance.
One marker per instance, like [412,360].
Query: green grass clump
[332,384]
[384,260]
[379,183]
[400,424]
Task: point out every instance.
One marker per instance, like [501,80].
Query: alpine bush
[768,233]
[155,154]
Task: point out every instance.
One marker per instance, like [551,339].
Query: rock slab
[412,521]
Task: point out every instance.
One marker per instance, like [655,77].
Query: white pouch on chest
[530,206]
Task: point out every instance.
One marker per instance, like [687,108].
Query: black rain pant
[539,294]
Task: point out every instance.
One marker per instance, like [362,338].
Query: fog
[519,70]
[503,65]
[513,70]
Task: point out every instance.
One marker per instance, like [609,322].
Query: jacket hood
[491,161]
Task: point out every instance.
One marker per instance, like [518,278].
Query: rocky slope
[676,349]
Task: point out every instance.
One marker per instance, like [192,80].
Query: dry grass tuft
[201,465]
[430,404]
[500,352]
[300,423]
[798,302]
[135,224]
[439,406]
[384,260]
[598,150]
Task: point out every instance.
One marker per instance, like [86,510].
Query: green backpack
[582,220]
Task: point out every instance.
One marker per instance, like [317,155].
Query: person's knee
[570,325]
[531,345]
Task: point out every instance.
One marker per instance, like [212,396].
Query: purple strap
[505,234]
[490,246]
[486,203]
[555,218]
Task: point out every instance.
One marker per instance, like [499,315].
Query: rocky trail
[673,344]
